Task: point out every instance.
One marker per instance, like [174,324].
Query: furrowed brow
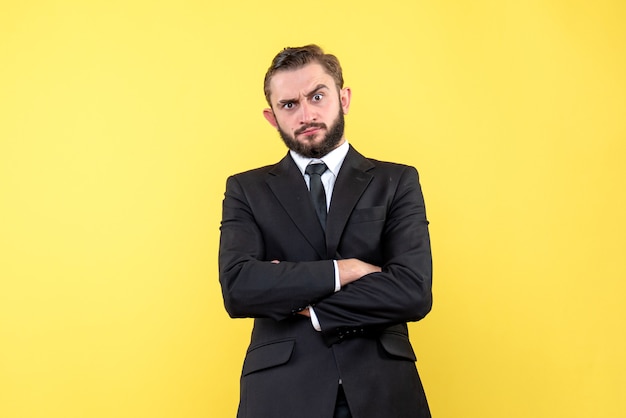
[285,101]
[317,89]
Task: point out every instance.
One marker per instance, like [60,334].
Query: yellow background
[120,121]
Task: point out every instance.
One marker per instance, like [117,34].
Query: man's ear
[345,94]
[269,115]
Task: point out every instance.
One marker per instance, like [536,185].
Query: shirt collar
[333,159]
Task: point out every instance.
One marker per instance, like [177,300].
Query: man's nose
[307,113]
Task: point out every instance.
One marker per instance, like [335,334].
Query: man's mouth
[310,129]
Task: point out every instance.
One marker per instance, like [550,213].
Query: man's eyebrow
[316,89]
[285,101]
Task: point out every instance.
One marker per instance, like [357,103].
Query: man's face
[307,109]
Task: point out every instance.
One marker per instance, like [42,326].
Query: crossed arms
[382,283]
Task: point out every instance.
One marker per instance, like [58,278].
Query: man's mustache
[309,126]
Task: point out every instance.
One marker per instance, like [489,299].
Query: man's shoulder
[389,166]
[364,161]
[255,172]
[261,173]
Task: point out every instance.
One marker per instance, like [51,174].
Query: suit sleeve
[402,292]
[253,286]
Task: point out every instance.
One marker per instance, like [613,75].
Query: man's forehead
[300,79]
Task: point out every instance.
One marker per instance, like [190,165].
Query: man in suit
[331,275]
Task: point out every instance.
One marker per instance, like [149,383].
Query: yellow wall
[120,120]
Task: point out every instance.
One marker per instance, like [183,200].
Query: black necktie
[318,194]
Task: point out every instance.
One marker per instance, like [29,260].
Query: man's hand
[350,270]
[353,269]
[305,312]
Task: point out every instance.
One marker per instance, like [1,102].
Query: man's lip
[309,131]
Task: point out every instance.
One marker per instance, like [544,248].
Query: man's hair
[295,58]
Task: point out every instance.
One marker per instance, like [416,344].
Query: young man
[331,260]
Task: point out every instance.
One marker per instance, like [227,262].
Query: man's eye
[288,106]
[317,97]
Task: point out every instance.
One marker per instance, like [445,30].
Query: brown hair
[295,58]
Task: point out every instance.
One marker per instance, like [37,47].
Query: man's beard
[329,143]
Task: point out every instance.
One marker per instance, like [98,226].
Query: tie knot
[315,168]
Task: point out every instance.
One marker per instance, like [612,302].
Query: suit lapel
[352,181]
[287,184]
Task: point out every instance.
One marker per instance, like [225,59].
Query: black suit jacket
[377,215]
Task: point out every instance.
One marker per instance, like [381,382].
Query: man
[331,275]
